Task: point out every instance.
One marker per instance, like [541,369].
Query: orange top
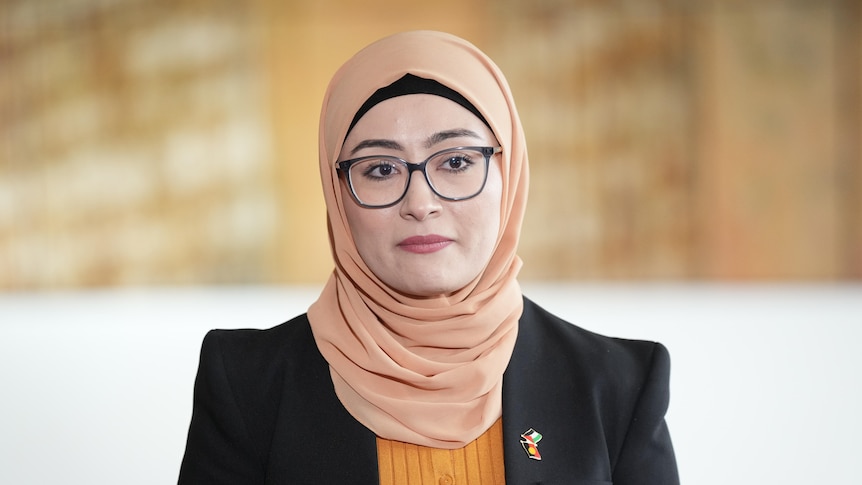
[478,463]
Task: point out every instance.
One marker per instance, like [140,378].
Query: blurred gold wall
[157,142]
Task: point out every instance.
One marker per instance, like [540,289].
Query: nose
[420,202]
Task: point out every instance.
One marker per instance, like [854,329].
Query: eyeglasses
[379,181]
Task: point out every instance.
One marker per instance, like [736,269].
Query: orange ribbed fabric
[478,463]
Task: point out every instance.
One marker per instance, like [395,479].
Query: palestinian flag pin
[530,442]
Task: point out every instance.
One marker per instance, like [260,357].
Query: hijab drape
[427,371]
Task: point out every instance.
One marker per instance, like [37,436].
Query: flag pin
[530,442]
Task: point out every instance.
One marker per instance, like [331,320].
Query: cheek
[485,215]
[356,218]
[494,201]
[361,227]
[368,227]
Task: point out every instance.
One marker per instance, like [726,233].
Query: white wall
[96,387]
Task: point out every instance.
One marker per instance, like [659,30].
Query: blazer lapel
[317,440]
[525,407]
[543,393]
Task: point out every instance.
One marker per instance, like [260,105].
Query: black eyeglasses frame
[343,167]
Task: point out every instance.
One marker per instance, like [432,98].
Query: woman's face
[423,245]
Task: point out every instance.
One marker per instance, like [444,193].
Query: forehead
[415,116]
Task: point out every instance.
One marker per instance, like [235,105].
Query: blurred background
[696,179]
[174,142]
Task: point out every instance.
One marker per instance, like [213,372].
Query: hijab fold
[426,371]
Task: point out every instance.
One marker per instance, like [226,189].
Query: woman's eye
[380,170]
[456,163]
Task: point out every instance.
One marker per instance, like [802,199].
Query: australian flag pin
[530,442]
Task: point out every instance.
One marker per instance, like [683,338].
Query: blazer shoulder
[592,351]
[256,363]
[612,393]
[614,370]
[261,345]
[239,389]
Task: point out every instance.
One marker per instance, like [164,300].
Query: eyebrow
[377,143]
[432,140]
[442,136]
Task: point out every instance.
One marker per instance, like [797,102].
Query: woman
[421,362]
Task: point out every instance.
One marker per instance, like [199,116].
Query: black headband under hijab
[410,84]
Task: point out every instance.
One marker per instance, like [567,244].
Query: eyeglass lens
[452,174]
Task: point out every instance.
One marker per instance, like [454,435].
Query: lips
[424,244]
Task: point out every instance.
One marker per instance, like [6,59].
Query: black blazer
[265,411]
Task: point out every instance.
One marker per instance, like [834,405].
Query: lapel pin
[530,442]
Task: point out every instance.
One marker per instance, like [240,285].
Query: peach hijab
[427,371]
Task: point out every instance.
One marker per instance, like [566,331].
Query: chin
[426,281]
